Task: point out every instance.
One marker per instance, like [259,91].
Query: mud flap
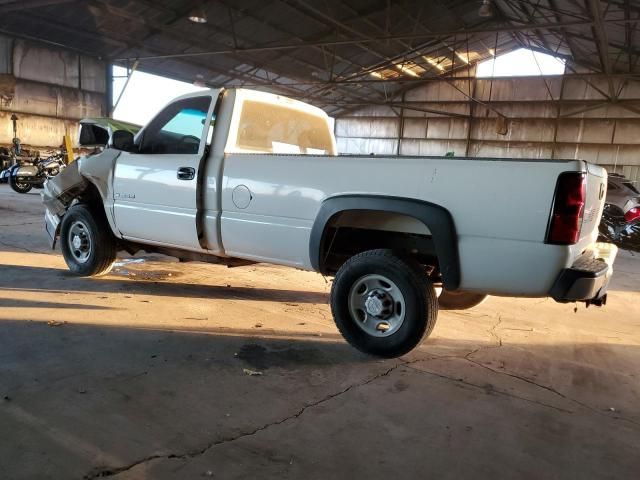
[52,226]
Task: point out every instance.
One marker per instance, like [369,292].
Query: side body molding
[437,219]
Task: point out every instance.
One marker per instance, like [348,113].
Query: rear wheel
[87,244]
[383,304]
[460,300]
[17,186]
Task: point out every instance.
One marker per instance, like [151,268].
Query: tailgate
[594,201]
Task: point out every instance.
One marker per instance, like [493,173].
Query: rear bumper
[588,278]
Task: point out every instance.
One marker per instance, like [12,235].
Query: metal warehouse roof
[335,54]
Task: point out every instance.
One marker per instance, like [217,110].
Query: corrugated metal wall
[546,117]
[48,89]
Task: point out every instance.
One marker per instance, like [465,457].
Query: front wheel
[383,304]
[17,186]
[460,300]
[87,244]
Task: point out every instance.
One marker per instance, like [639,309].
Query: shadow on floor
[13,277]
[84,398]
[18,303]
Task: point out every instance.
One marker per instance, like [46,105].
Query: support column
[107,109]
[400,126]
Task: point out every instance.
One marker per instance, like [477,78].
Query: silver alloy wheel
[377,305]
[79,241]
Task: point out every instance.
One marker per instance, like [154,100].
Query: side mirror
[93,135]
[122,140]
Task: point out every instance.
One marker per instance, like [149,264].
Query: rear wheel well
[351,232]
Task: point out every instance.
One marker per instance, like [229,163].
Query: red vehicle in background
[620,222]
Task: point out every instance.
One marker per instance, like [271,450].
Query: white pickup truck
[237,176]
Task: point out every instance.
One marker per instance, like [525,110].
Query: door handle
[186,173]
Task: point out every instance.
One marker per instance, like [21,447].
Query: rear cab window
[266,123]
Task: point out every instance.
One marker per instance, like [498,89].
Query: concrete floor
[143,374]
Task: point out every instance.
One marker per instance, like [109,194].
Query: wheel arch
[91,196]
[437,220]
[94,196]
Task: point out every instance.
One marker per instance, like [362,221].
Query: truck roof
[259,96]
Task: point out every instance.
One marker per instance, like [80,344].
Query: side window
[178,128]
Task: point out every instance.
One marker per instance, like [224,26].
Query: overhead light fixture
[486,9]
[198,15]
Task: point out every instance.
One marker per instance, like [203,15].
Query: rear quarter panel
[500,208]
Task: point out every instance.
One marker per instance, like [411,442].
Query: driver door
[155,190]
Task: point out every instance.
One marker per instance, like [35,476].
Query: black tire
[420,309]
[19,187]
[90,225]
[460,300]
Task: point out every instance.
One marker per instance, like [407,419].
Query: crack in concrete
[102,472]
[17,247]
[468,358]
[550,389]
[492,331]
[492,390]
[110,472]
[20,224]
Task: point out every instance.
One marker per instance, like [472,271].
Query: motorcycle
[620,222]
[22,178]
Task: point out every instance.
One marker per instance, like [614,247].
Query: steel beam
[123,40]
[179,35]
[310,9]
[27,4]
[603,43]
[418,81]
[385,38]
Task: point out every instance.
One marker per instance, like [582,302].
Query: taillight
[568,207]
[632,215]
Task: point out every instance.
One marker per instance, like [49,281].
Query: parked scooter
[22,178]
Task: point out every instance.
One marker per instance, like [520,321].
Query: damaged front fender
[74,183]
[60,191]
